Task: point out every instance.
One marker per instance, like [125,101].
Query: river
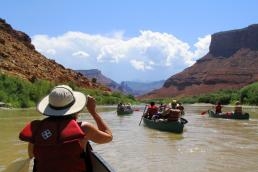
[206,145]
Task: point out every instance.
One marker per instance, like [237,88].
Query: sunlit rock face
[226,44]
[232,62]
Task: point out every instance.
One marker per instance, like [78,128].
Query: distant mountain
[231,63]
[139,88]
[127,87]
[95,73]
[18,57]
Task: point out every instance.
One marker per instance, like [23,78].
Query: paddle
[183,120]
[143,114]
[20,165]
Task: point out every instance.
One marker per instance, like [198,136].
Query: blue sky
[136,40]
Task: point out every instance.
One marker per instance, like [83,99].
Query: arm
[145,114]
[30,150]
[165,112]
[101,133]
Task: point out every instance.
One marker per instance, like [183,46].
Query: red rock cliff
[232,62]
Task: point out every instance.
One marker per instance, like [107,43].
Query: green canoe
[124,111]
[170,126]
[228,115]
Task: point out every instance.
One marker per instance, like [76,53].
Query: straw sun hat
[61,101]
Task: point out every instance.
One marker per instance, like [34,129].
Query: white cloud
[51,51]
[202,46]
[160,53]
[80,54]
[141,65]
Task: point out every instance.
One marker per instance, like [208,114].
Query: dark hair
[152,103]
[71,116]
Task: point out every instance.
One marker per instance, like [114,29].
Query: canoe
[228,115]
[163,125]
[124,111]
[97,163]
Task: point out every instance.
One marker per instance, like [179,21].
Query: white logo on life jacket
[46,134]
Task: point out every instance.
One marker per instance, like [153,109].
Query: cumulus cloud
[51,51]
[202,46]
[141,65]
[137,57]
[80,54]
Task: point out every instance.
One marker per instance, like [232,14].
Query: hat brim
[80,102]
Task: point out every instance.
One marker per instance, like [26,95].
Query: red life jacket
[57,145]
[218,109]
[152,110]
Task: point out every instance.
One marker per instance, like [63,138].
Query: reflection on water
[207,144]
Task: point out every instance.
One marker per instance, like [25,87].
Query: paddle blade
[203,113]
[143,114]
[21,165]
[183,120]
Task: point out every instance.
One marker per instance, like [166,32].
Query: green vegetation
[20,93]
[247,95]
[108,98]
[224,96]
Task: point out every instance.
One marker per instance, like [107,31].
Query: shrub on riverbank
[247,95]
[22,93]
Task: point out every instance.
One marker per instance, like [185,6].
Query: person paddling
[181,108]
[152,111]
[57,142]
[238,108]
[172,113]
[218,108]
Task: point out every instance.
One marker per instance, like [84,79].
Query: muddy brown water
[206,145]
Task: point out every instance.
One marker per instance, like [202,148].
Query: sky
[136,40]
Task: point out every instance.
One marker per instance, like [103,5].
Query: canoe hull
[97,163]
[170,126]
[244,116]
[124,112]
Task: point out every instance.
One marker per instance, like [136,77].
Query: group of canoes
[166,119]
[169,117]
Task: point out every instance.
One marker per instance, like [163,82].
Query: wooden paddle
[20,165]
[142,114]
